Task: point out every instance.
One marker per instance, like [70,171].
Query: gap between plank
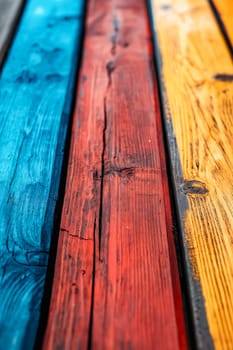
[221,26]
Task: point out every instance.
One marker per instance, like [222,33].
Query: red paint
[116,230]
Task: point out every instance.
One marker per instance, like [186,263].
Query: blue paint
[36,85]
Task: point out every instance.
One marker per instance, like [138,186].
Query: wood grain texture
[10,11]
[33,120]
[196,79]
[225,11]
[116,283]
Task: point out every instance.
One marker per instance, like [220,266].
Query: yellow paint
[193,51]
[225,9]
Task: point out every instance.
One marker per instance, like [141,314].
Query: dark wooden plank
[10,11]
[116,282]
[34,112]
[196,82]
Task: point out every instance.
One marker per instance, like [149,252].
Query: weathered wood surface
[224,10]
[116,282]
[33,120]
[196,76]
[10,11]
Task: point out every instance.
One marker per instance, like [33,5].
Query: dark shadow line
[221,26]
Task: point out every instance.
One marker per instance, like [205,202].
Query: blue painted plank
[10,11]
[35,88]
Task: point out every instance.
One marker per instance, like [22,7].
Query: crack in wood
[102,173]
[110,67]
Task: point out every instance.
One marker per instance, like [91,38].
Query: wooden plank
[10,11]
[116,282]
[224,10]
[34,113]
[196,73]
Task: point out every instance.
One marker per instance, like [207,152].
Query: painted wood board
[10,11]
[196,73]
[224,9]
[116,282]
[34,112]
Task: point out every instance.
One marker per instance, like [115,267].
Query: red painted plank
[116,281]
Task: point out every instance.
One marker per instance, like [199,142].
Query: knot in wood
[194,187]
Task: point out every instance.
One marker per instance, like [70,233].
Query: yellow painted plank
[225,10]
[197,78]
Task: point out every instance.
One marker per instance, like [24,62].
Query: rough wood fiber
[116,283]
[225,10]
[33,120]
[196,75]
[9,14]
